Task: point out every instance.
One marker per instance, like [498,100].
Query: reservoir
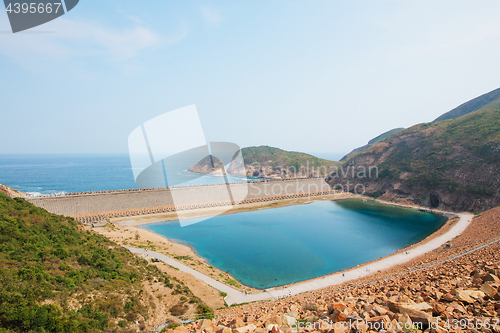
[272,247]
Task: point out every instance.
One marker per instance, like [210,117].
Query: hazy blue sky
[314,76]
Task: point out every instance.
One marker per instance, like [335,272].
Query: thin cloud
[78,40]
[128,16]
[211,15]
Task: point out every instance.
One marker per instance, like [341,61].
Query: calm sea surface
[273,247]
[46,174]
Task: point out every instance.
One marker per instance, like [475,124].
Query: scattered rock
[468,296]
[245,329]
[274,321]
[271,327]
[424,307]
[224,330]
[490,277]
[207,326]
[287,320]
[489,290]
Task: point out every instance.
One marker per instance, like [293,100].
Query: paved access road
[236,296]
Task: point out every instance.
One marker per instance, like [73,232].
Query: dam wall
[95,206]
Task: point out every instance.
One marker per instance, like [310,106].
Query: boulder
[274,321]
[285,329]
[245,329]
[405,321]
[377,323]
[393,306]
[422,318]
[223,330]
[181,329]
[438,309]
[271,327]
[236,322]
[380,309]
[287,320]
[207,326]
[490,277]
[455,307]
[494,270]
[336,306]
[468,296]
[489,290]
[424,307]
[337,316]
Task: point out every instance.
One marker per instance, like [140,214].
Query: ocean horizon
[65,173]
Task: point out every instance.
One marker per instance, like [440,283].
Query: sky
[321,77]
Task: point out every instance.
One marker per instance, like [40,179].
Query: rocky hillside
[452,164]
[58,277]
[370,143]
[10,191]
[210,165]
[487,101]
[269,162]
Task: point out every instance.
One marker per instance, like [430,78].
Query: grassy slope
[57,277]
[457,158]
[385,135]
[370,143]
[487,101]
[267,156]
[275,157]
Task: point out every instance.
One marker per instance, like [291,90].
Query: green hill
[275,157]
[270,162]
[370,143]
[487,101]
[57,277]
[265,161]
[451,163]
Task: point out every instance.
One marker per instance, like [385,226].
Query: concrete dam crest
[96,206]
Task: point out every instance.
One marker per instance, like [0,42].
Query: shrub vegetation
[57,277]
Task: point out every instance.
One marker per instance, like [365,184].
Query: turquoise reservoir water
[272,247]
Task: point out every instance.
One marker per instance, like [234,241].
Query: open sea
[274,247]
[64,173]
